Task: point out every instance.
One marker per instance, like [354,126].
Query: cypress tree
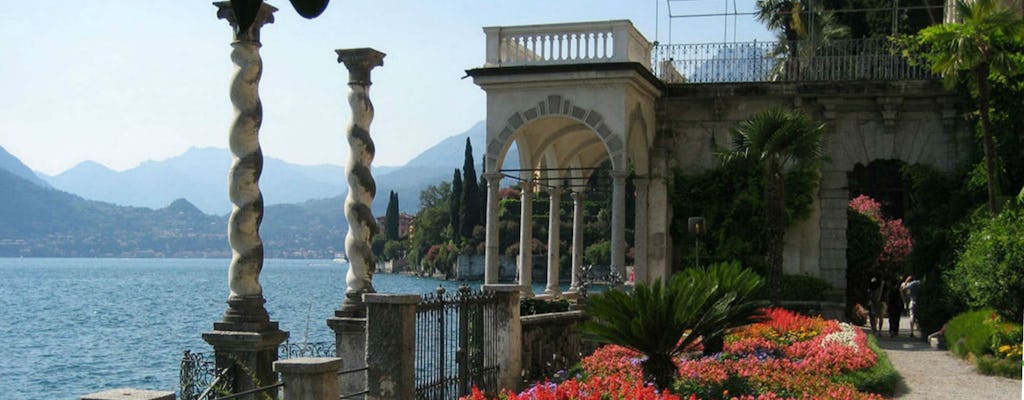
[391,218]
[455,206]
[469,216]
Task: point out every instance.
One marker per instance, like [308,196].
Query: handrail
[251,391]
[351,395]
[220,375]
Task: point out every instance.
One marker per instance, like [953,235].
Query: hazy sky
[124,81]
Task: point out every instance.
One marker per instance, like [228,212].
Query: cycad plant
[662,321]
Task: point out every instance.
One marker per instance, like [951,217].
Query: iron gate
[456,344]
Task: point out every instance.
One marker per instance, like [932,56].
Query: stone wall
[910,121]
[552,343]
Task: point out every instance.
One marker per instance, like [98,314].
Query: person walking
[910,288]
[894,305]
[876,303]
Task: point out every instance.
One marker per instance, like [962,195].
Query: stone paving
[930,374]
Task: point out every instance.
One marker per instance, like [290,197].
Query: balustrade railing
[571,43]
[798,61]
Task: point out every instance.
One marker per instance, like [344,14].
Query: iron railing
[796,61]
[198,378]
[456,346]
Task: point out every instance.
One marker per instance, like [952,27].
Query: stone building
[573,96]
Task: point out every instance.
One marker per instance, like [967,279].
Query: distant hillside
[40,222]
[199,175]
[12,164]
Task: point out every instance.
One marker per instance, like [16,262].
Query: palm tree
[776,138]
[664,321]
[820,31]
[784,16]
[980,46]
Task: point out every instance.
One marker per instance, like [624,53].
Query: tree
[978,49]
[783,15]
[391,218]
[469,216]
[776,138]
[455,206]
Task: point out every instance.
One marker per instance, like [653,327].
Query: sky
[120,82]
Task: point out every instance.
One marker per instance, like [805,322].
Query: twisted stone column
[361,186]
[245,303]
[246,339]
[554,225]
[491,240]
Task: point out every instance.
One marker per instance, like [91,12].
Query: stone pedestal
[310,378]
[250,355]
[350,344]
[130,394]
[391,345]
[510,336]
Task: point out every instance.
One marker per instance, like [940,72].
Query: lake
[74,326]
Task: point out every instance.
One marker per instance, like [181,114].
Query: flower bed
[788,356]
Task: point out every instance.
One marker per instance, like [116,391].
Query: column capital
[251,33]
[492,176]
[617,175]
[578,196]
[359,63]
[555,190]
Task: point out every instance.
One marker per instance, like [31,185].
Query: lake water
[71,327]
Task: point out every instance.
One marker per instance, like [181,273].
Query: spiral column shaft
[362,226]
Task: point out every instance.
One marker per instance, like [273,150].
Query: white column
[245,302]
[577,241]
[619,223]
[491,238]
[526,240]
[640,236]
[361,187]
[554,225]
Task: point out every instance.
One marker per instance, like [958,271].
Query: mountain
[46,222]
[39,221]
[12,164]
[199,175]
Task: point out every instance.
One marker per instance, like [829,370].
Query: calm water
[70,327]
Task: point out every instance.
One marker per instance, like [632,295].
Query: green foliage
[864,244]
[654,319]
[804,288]
[469,214]
[391,217]
[991,342]
[599,253]
[776,138]
[431,221]
[533,306]
[393,250]
[989,272]
[882,378]
[968,333]
[455,206]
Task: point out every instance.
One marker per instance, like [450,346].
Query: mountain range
[178,207]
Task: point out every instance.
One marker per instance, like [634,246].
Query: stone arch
[554,106]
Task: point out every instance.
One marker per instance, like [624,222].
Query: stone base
[251,354]
[350,344]
[130,394]
[245,314]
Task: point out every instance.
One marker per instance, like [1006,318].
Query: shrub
[989,272]
[968,333]
[532,306]
[881,378]
[990,341]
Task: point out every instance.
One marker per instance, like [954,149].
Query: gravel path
[930,374]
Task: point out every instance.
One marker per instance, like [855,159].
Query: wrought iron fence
[456,346]
[795,61]
[198,378]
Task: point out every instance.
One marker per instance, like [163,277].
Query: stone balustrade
[569,43]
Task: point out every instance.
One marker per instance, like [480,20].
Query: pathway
[930,374]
